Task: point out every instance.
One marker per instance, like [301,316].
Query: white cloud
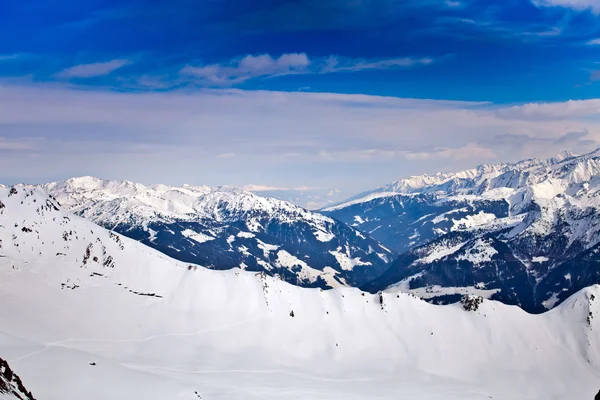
[14,145]
[552,111]
[225,155]
[579,5]
[340,64]
[241,69]
[244,68]
[280,139]
[469,151]
[594,42]
[92,70]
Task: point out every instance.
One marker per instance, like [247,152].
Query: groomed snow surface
[73,294]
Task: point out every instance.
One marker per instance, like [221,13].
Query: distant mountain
[306,197]
[526,233]
[227,227]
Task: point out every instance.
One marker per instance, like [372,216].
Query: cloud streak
[241,69]
[579,5]
[282,139]
[92,70]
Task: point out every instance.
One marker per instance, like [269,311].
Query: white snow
[439,251]
[345,261]
[290,261]
[480,252]
[228,335]
[265,247]
[540,259]
[471,221]
[568,277]
[196,236]
[323,236]
[551,302]
[247,235]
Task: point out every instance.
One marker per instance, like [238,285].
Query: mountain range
[227,227]
[525,233]
[89,313]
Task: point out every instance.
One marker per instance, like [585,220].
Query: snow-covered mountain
[88,313]
[526,233]
[228,227]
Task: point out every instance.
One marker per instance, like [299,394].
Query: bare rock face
[11,384]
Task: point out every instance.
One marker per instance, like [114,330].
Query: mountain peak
[562,156]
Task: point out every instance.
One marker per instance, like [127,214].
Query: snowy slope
[228,227]
[539,218]
[87,313]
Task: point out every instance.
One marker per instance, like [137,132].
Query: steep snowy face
[229,227]
[537,215]
[82,307]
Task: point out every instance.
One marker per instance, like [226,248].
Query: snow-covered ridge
[116,200]
[228,227]
[564,187]
[156,328]
[487,177]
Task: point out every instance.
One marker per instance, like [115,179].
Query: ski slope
[73,293]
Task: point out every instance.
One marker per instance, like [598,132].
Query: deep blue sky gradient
[504,52]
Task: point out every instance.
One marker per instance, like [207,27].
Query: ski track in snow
[62,343]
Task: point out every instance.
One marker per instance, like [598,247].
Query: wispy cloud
[468,151]
[453,4]
[92,70]
[283,139]
[12,57]
[576,141]
[579,5]
[14,145]
[594,42]
[248,67]
[552,111]
[340,64]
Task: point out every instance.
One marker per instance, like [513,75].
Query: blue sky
[198,68]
